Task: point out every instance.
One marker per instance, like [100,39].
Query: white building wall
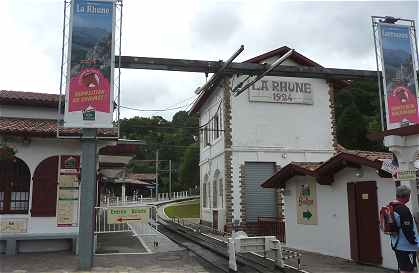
[280,132]
[212,156]
[20,111]
[33,154]
[331,235]
[283,125]
[270,132]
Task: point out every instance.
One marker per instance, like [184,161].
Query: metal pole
[238,91]
[218,74]
[170,178]
[375,30]
[157,175]
[61,71]
[87,198]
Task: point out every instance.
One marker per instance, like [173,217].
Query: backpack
[387,221]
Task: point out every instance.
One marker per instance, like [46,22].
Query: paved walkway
[152,240]
[168,262]
[317,263]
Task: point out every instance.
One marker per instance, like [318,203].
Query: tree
[170,138]
[357,114]
[189,169]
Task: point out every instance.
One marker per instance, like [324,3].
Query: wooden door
[215,219]
[363,222]
[44,195]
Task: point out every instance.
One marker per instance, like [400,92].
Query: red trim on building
[42,128]
[111,165]
[119,150]
[402,131]
[295,56]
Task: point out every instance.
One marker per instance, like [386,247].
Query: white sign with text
[278,90]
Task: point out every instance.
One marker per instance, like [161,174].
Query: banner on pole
[399,77]
[89,92]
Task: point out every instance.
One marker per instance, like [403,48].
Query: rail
[209,232]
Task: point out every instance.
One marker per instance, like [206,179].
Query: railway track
[214,252]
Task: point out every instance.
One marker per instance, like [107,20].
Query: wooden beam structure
[402,131]
[202,66]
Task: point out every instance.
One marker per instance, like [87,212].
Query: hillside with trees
[176,140]
[357,114]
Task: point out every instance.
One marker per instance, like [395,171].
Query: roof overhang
[324,174]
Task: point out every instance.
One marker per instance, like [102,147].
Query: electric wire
[169,108]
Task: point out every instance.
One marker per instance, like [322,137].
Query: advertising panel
[68,191]
[400,84]
[89,93]
[307,203]
[13,225]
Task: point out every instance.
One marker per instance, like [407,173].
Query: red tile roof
[28,98]
[142,176]
[42,128]
[120,150]
[295,56]
[324,171]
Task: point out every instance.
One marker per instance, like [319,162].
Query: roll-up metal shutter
[259,201]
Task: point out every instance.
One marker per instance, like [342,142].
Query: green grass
[188,209]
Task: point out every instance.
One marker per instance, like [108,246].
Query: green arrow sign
[307,214]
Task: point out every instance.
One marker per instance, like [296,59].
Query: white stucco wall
[33,154]
[280,132]
[331,235]
[283,125]
[19,111]
[270,132]
[212,158]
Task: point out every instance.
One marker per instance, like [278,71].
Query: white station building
[39,173]
[245,139]
[281,133]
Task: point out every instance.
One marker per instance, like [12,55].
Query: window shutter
[44,194]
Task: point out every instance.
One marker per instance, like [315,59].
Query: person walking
[405,242]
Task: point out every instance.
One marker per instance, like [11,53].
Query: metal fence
[139,199]
[149,228]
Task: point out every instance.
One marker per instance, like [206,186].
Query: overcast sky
[334,34]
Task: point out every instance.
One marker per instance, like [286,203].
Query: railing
[265,226]
[174,195]
[131,200]
[102,225]
[272,226]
